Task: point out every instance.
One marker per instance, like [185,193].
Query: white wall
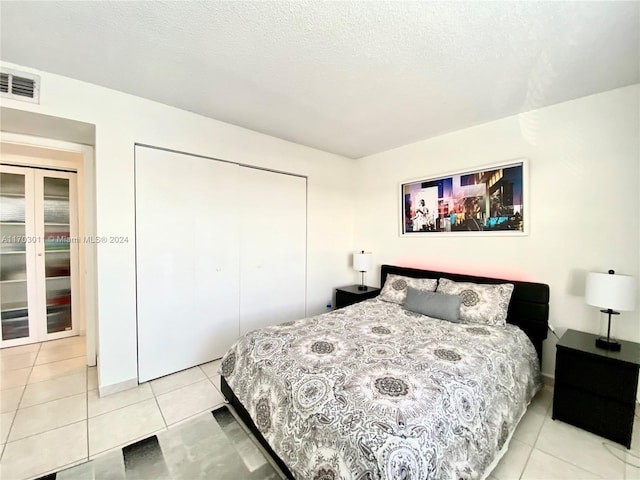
[584,192]
[122,120]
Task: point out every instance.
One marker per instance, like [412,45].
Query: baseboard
[105,390]
[548,379]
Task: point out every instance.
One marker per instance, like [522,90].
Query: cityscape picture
[487,200]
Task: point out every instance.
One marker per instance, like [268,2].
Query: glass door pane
[13,263]
[57,254]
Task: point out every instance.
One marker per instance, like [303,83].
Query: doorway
[50,253]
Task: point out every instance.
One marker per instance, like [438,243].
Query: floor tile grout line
[533,444]
[568,462]
[544,419]
[524,468]
[211,379]
[46,431]
[77,394]
[155,398]
[91,417]
[60,360]
[173,389]
[53,399]
[32,367]
[4,368]
[65,374]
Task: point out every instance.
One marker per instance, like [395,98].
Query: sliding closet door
[273,210]
[187,260]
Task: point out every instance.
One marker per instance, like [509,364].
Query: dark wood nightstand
[595,389]
[350,295]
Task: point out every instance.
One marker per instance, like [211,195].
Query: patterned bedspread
[373,391]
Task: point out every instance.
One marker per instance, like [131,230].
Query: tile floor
[51,418]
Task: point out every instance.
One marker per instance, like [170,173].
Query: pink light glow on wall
[451,266]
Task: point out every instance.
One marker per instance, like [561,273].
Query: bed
[377,390]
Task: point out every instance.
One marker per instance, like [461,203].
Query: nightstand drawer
[594,413]
[611,379]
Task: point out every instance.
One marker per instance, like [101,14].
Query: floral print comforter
[373,391]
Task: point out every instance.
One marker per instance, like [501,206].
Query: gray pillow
[435,305]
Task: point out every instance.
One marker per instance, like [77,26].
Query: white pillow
[481,302]
[395,287]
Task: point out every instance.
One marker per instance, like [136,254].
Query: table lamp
[610,291]
[362,263]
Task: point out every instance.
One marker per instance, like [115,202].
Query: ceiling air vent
[20,86]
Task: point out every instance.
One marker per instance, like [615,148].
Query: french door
[38,255]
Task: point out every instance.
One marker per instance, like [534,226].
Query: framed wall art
[490,200]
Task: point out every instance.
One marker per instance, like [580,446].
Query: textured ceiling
[353,78]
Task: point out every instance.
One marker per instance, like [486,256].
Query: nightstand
[595,389]
[350,295]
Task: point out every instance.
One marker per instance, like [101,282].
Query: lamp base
[607,344]
[362,287]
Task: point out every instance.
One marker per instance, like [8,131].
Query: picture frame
[490,200]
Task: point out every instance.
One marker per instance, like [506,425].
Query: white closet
[220,249]
[38,255]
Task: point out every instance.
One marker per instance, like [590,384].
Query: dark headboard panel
[528,309]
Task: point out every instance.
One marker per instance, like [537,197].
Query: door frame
[26,150]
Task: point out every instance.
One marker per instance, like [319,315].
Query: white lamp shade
[362,261]
[611,291]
